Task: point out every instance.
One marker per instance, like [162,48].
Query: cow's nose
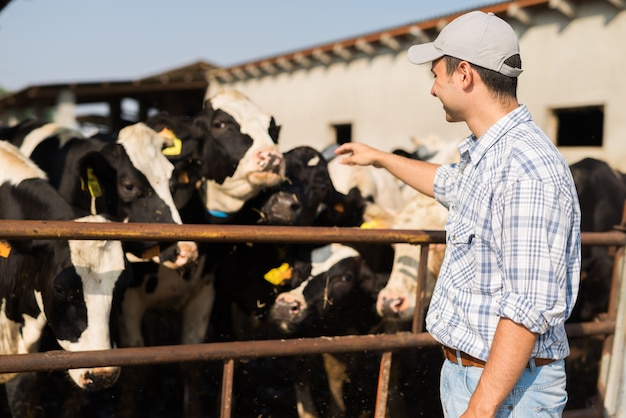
[100,377]
[392,306]
[287,308]
[269,160]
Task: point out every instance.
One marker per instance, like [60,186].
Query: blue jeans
[540,391]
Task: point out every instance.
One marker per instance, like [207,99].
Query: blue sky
[57,41]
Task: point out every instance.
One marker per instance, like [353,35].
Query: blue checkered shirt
[513,240]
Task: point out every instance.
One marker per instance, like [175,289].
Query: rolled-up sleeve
[444,186]
[536,226]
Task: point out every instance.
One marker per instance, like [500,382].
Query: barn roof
[189,78]
[391,39]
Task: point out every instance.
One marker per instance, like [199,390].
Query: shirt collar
[477,147]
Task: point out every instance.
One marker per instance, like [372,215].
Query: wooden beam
[268,67]
[239,73]
[342,52]
[365,46]
[284,63]
[417,32]
[619,4]
[253,70]
[519,13]
[389,41]
[563,6]
[302,60]
[321,56]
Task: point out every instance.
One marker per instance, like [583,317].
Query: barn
[364,88]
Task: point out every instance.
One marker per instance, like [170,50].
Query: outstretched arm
[418,174]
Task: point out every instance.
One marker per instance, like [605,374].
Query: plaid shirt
[513,240]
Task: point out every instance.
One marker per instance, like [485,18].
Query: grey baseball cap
[479,38]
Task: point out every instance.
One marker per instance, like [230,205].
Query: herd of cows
[224,166]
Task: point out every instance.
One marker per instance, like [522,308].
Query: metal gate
[610,327]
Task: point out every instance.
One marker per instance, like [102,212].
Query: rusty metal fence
[609,384]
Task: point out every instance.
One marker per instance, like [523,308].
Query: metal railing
[228,352]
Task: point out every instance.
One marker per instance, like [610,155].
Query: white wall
[387,99]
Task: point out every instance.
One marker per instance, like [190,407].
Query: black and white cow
[336,296]
[223,156]
[601,193]
[66,285]
[126,180]
[239,152]
[396,301]
[248,277]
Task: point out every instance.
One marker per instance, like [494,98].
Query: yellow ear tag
[279,274]
[177,144]
[92,183]
[373,224]
[5,249]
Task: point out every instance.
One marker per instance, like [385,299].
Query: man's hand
[355,153]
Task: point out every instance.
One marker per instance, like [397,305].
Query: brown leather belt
[467,360]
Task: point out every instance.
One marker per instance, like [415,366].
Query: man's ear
[465,73]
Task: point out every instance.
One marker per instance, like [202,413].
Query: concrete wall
[567,63]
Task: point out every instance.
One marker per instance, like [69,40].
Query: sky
[63,41]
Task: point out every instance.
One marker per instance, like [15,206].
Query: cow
[306,197]
[126,180]
[127,177]
[601,192]
[66,285]
[224,156]
[305,192]
[377,186]
[239,152]
[336,296]
[396,301]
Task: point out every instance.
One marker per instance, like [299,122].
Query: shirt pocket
[461,241]
[461,234]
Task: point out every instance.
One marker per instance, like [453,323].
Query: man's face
[446,89]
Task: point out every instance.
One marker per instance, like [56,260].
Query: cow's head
[305,192]
[73,294]
[340,286]
[130,180]
[396,301]
[239,151]
[183,152]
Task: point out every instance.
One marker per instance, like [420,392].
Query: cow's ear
[201,125]
[99,179]
[371,283]
[11,247]
[273,130]
[33,248]
[300,272]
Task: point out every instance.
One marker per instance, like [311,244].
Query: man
[510,276]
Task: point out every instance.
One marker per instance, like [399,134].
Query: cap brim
[423,53]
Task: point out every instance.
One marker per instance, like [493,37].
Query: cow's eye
[64,293]
[346,277]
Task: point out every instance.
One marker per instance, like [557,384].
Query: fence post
[613,368]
